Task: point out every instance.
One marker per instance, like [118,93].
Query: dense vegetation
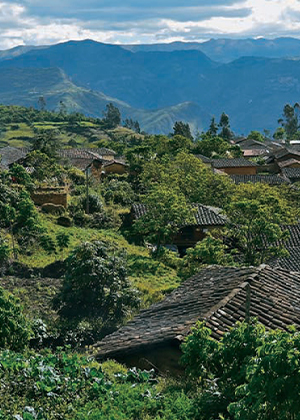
[83,271]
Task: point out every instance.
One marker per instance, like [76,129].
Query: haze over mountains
[159,84]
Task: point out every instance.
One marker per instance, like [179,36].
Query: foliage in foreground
[47,386]
[250,374]
[14,328]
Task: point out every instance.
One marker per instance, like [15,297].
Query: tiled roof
[204,215]
[286,151]
[203,158]
[10,155]
[288,162]
[247,144]
[232,163]
[266,179]
[217,295]
[291,172]
[292,245]
[78,154]
[255,152]
[102,151]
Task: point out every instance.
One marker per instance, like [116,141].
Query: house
[237,166]
[283,155]
[206,218]
[82,159]
[265,179]
[220,296]
[253,148]
[10,155]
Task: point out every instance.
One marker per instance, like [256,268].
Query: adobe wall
[251,170]
[39,198]
[115,168]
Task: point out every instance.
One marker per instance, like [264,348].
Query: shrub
[14,328]
[95,204]
[96,285]
[119,192]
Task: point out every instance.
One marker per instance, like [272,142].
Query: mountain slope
[144,80]
[252,90]
[24,87]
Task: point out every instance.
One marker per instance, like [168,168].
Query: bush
[95,204]
[14,328]
[96,285]
[76,176]
[119,192]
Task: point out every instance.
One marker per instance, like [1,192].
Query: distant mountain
[226,50]
[24,87]
[15,52]
[157,87]
[144,80]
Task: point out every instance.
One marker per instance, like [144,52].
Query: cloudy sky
[37,22]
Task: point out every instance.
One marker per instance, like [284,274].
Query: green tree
[132,125]
[47,142]
[279,134]
[272,384]
[212,146]
[255,135]
[209,251]
[14,328]
[42,103]
[249,374]
[43,166]
[112,116]
[96,285]
[213,128]
[192,177]
[20,176]
[224,125]
[290,122]
[182,129]
[167,212]
[256,213]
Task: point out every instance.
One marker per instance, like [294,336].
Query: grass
[151,277]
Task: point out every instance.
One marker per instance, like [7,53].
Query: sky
[43,22]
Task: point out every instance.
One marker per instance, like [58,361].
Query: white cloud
[137,21]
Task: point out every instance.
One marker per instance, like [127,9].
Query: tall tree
[112,116]
[256,213]
[213,128]
[167,211]
[182,129]
[224,125]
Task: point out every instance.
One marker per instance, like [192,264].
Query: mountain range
[251,80]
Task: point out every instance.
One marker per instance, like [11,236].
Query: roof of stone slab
[204,215]
[291,172]
[266,179]
[217,295]
[232,163]
[10,155]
